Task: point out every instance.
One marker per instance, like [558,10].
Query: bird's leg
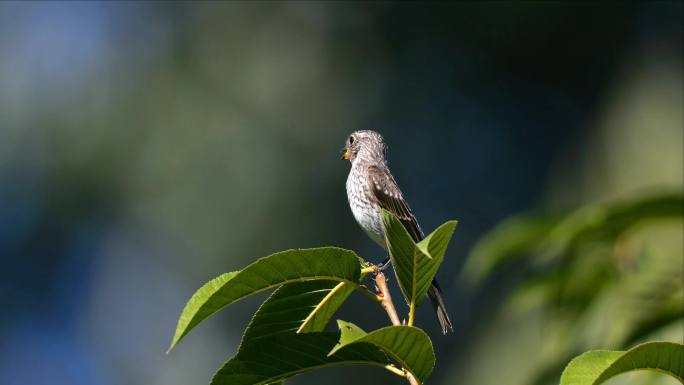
[384,264]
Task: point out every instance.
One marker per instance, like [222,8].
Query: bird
[371,188]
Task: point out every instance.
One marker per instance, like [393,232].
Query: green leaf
[326,307]
[287,355]
[435,244]
[348,334]
[410,346]
[272,350]
[597,366]
[415,265]
[326,263]
[288,308]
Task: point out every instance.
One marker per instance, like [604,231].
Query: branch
[388,305]
[386,302]
[412,312]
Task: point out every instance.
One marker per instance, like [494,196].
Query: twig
[412,313]
[386,301]
[412,380]
[388,305]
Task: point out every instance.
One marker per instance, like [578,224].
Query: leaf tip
[170,348]
[450,225]
[176,338]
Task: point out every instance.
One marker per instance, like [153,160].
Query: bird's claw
[383,265]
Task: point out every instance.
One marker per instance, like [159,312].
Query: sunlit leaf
[415,265]
[288,308]
[326,307]
[595,367]
[409,346]
[272,350]
[327,263]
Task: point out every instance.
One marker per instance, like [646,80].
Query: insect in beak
[345,153]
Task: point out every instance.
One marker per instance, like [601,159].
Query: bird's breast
[365,210]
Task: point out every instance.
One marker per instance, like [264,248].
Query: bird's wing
[387,193]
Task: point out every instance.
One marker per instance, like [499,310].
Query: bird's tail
[435,294]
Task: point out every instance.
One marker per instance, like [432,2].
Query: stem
[412,380]
[412,313]
[387,304]
[395,370]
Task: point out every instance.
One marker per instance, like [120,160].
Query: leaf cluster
[287,335]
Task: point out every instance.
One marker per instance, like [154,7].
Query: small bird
[371,188]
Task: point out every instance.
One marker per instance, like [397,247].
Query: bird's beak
[345,153]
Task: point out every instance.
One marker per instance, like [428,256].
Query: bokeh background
[148,147]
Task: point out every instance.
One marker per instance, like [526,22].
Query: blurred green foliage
[607,275]
[154,144]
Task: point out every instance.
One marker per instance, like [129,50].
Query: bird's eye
[351,140]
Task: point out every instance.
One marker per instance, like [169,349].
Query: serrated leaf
[272,350]
[595,367]
[326,263]
[408,345]
[415,265]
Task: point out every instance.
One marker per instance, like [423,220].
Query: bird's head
[365,144]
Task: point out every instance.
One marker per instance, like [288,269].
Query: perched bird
[371,188]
